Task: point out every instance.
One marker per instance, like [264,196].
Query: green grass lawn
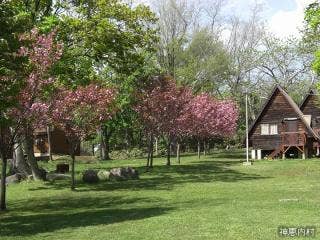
[211,198]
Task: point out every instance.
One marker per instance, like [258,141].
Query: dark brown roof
[306,97]
[291,103]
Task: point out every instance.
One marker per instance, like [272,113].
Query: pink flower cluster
[33,104]
[80,112]
[167,109]
[208,117]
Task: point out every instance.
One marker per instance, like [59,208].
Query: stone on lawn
[103,175]
[90,176]
[15,178]
[127,173]
[62,168]
[57,176]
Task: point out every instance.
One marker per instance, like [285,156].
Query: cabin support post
[318,151]
[304,153]
[283,154]
[259,154]
[253,154]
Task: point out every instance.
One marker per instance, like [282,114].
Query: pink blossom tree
[160,109]
[24,99]
[80,113]
[171,111]
[207,117]
[31,111]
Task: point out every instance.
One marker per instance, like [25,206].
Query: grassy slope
[212,198]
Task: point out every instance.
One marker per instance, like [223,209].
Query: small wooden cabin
[53,139]
[282,129]
[311,106]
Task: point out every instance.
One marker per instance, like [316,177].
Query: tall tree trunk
[169,152]
[20,163]
[151,150]
[199,149]
[148,158]
[5,148]
[49,143]
[208,148]
[178,152]
[36,173]
[92,149]
[156,142]
[204,148]
[73,181]
[105,145]
[140,139]
[3,183]
[149,154]
[72,151]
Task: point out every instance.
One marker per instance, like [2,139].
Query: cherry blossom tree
[171,111]
[24,98]
[41,52]
[80,113]
[160,109]
[207,117]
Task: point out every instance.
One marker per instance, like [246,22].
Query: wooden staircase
[276,153]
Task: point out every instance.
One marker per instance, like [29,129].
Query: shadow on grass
[49,222]
[47,215]
[163,177]
[229,155]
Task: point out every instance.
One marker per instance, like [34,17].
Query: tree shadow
[50,222]
[49,215]
[229,154]
[162,177]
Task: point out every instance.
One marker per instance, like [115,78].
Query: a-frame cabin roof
[294,106]
[311,93]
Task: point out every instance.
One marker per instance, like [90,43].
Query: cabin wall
[59,143]
[278,108]
[41,143]
[312,107]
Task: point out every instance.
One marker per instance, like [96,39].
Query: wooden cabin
[281,129]
[311,106]
[50,140]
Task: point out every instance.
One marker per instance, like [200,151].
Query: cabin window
[269,129]
[273,129]
[264,129]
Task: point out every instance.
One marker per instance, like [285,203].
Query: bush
[127,154]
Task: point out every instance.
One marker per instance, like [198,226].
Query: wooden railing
[293,138]
[317,131]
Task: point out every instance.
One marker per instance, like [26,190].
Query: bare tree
[245,38]
[213,13]
[286,62]
[176,18]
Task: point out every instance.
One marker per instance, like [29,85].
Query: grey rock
[90,176]
[103,175]
[122,174]
[57,176]
[15,178]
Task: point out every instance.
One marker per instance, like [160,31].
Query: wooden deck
[289,140]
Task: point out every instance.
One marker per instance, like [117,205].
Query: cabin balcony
[289,139]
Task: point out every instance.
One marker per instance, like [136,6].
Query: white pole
[247,129]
